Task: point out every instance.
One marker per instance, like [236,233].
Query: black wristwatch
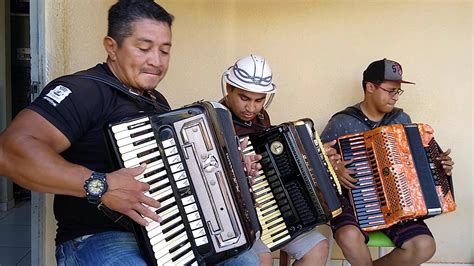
[95,186]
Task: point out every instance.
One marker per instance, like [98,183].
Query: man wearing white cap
[246,85]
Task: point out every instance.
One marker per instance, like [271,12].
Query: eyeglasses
[391,92]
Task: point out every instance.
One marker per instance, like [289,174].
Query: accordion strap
[106,79]
[357,113]
[116,217]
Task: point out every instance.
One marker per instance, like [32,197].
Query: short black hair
[124,13]
[376,82]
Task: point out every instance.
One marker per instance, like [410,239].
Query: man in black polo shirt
[57,146]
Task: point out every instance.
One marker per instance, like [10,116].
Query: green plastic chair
[380,240]
[377,239]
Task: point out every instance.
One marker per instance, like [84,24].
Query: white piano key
[161,193]
[272,244]
[261,185]
[263,192]
[159,183]
[185,259]
[131,147]
[266,225]
[169,212]
[161,257]
[124,126]
[128,133]
[154,232]
[152,166]
[165,203]
[174,230]
[133,153]
[260,176]
[173,222]
[151,224]
[181,249]
[270,216]
[276,229]
[263,198]
[178,239]
[271,202]
[269,210]
[168,143]
[157,238]
[137,161]
[153,177]
[126,141]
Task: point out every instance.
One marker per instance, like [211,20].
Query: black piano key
[175,234]
[179,255]
[164,208]
[165,221]
[170,226]
[178,246]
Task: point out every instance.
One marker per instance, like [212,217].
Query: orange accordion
[398,177]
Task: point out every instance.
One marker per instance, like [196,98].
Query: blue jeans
[118,248]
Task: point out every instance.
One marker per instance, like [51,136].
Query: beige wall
[318,50]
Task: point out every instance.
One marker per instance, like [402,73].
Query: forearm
[32,164]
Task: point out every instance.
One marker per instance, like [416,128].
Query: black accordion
[194,168]
[297,188]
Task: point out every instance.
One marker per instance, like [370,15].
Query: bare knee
[348,236]
[420,248]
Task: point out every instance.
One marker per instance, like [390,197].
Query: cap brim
[401,81]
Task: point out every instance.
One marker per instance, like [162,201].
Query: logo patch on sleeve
[57,95]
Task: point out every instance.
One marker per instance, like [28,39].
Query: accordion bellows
[398,176]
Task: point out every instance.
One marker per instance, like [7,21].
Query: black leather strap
[100,77]
[357,113]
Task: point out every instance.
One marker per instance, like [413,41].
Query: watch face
[95,187]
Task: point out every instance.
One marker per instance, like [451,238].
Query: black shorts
[398,233]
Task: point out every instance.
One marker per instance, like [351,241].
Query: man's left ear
[110,46]
[369,87]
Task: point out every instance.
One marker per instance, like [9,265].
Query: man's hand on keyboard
[127,195]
